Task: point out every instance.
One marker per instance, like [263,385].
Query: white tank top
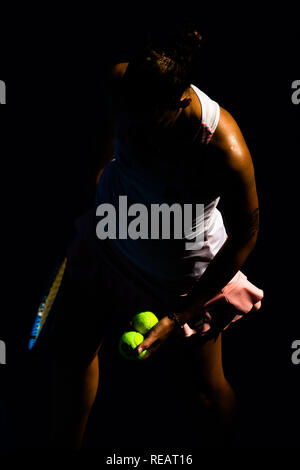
[167,260]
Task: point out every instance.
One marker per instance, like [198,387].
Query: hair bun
[184,45]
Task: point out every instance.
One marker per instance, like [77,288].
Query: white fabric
[167,260]
[210,115]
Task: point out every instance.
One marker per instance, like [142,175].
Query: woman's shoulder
[118,70]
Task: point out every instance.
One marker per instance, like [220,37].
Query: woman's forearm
[219,272]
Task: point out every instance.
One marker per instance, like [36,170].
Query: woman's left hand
[156,336]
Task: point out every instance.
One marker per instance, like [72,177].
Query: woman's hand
[157,336]
[163,329]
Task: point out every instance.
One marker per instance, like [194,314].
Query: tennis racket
[44,311]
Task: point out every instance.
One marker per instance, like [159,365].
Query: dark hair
[162,70]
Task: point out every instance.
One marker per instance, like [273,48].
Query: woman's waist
[168,262]
[156,267]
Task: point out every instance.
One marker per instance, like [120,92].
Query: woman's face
[156,116]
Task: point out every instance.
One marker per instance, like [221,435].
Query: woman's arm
[106,151]
[241,212]
[242,217]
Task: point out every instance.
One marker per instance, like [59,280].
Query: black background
[54,63]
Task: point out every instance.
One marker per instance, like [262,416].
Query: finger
[148,341]
[155,337]
[153,348]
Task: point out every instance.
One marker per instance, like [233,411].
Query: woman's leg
[211,399]
[74,390]
[80,313]
[214,389]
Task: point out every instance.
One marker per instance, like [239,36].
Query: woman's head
[159,75]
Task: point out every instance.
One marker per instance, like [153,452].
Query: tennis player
[168,143]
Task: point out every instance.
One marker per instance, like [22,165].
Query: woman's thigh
[80,320]
[197,364]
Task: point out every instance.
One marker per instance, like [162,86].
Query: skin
[229,172]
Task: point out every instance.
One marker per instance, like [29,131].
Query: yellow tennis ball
[129,342]
[144,321]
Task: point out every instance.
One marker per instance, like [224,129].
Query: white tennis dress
[168,261]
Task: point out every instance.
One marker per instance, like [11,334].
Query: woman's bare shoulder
[118,70]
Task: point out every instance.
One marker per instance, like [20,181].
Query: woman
[168,143]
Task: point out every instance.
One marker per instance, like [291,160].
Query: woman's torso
[170,165]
